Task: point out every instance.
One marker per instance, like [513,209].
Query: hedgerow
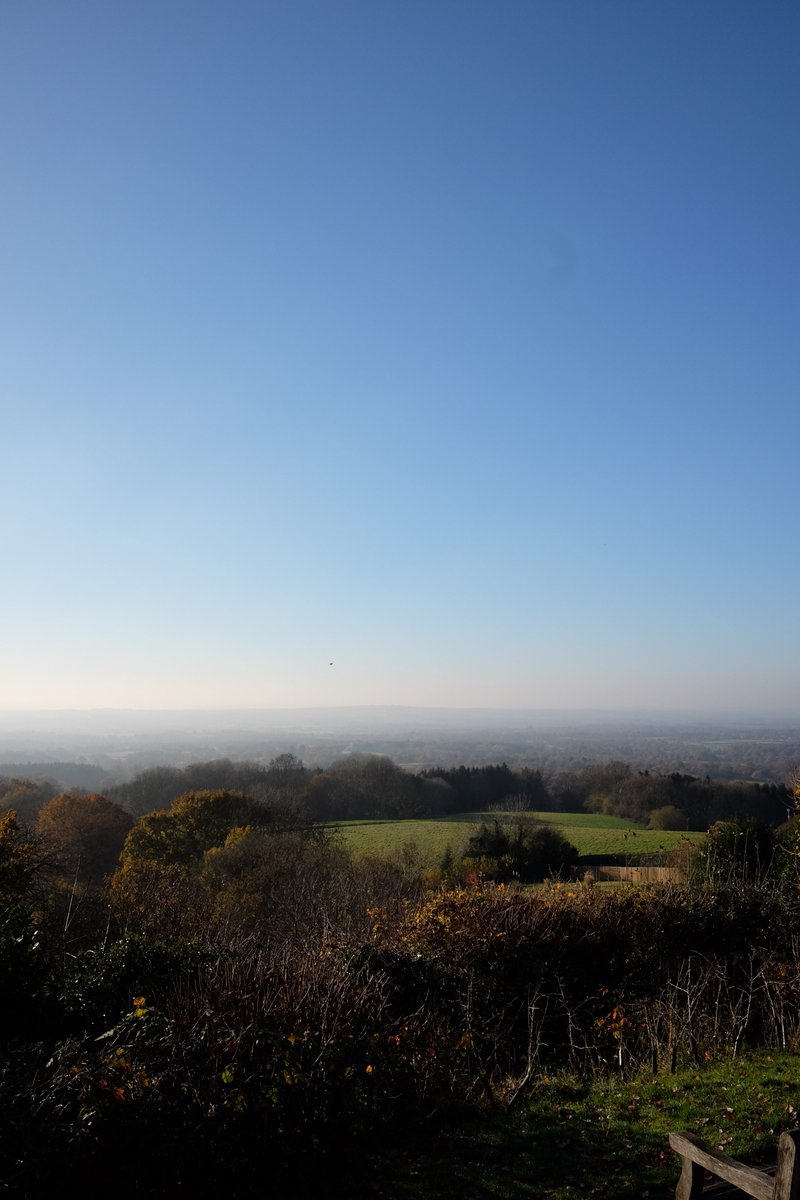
[224,1041]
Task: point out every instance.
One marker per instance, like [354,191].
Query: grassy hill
[594,835]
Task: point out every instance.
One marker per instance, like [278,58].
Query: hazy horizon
[426,356]
[96,748]
[452,715]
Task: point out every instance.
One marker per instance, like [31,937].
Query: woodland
[201,982]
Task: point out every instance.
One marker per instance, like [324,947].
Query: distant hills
[63,774]
[85,748]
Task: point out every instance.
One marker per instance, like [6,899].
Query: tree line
[372,786]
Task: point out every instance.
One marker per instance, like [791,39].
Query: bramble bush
[568,976]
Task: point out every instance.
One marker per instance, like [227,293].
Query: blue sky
[453,342]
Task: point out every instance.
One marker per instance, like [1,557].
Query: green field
[593,835]
[604,1138]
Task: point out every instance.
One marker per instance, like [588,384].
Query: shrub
[24,975]
[667,817]
[524,852]
[98,987]
[739,850]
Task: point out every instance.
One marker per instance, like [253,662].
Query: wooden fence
[632,874]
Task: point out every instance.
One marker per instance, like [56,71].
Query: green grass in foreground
[593,835]
[606,1140]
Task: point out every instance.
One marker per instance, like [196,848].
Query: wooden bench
[741,1180]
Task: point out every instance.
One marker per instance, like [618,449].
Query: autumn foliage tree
[198,821]
[161,885]
[85,833]
[25,796]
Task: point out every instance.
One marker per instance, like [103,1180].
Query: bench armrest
[699,1157]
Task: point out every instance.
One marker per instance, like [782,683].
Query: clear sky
[454,342]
